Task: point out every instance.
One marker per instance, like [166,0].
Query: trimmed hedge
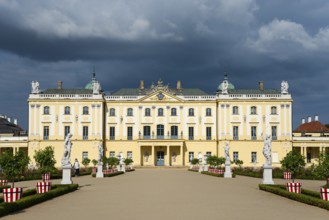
[216,174]
[3,187]
[110,174]
[307,196]
[130,170]
[33,198]
[193,170]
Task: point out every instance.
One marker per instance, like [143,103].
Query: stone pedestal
[122,167]
[200,168]
[205,167]
[228,172]
[267,175]
[100,173]
[191,166]
[66,177]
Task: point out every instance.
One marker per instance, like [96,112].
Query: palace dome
[230,85]
[91,83]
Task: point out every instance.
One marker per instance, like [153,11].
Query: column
[153,156]
[182,154]
[168,156]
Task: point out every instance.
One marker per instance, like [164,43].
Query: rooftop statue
[225,87]
[35,87]
[96,88]
[284,87]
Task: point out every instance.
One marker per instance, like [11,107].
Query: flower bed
[216,171]
[306,196]
[109,171]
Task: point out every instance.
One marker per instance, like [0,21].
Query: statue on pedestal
[267,150]
[227,153]
[200,157]
[67,150]
[35,87]
[100,154]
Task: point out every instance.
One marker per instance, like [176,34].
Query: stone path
[170,194]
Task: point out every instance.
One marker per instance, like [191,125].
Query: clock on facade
[160,96]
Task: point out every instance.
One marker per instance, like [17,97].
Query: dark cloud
[192,41]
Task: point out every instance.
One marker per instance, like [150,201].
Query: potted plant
[322,171]
[214,162]
[45,159]
[194,162]
[293,162]
[113,161]
[127,162]
[94,162]
[12,165]
[85,162]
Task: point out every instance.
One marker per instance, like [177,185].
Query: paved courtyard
[170,194]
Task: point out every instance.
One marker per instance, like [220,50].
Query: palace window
[208,111]
[112,154]
[46,110]
[85,132]
[191,133]
[147,132]
[274,133]
[129,112]
[67,110]
[254,157]
[308,157]
[129,154]
[235,156]
[112,133]
[84,154]
[273,110]
[160,112]
[253,110]
[208,153]
[253,133]
[130,133]
[235,110]
[66,130]
[190,156]
[190,112]
[235,132]
[85,110]
[46,133]
[112,111]
[173,112]
[147,112]
[208,133]
[160,131]
[174,132]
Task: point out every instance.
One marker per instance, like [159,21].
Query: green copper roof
[91,83]
[230,85]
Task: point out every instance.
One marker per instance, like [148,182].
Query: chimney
[179,85]
[316,118]
[141,85]
[59,84]
[303,120]
[15,121]
[309,119]
[261,86]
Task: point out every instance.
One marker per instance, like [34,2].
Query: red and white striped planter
[46,177]
[216,171]
[324,193]
[94,170]
[294,187]
[110,171]
[195,168]
[3,182]
[287,175]
[12,194]
[43,187]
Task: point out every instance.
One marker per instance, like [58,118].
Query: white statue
[205,157]
[100,153]
[200,157]
[225,87]
[267,150]
[35,87]
[121,158]
[284,87]
[67,150]
[227,153]
[96,88]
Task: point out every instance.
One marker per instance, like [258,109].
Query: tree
[13,165]
[128,161]
[215,161]
[322,169]
[239,163]
[45,159]
[95,162]
[293,162]
[194,161]
[86,161]
[113,161]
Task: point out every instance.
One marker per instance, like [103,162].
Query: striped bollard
[324,194]
[294,187]
[12,194]
[43,187]
[287,175]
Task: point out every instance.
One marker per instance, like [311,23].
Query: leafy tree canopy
[293,162]
[45,159]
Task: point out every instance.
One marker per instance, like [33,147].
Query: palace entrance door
[160,158]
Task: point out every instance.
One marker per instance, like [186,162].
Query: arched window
[67,110]
[85,110]
[208,111]
[160,112]
[253,110]
[273,110]
[46,110]
[173,112]
[147,112]
[191,112]
[235,110]
[129,112]
[112,111]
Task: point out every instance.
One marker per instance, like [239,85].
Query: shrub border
[32,198]
[193,170]
[307,196]
[130,170]
[216,174]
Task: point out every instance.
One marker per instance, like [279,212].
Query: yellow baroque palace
[159,125]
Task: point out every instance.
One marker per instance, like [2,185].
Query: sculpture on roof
[159,86]
[67,150]
[225,87]
[96,88]
[35,87]
[284,87]
[267,152]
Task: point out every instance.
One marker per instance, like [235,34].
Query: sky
[195,41]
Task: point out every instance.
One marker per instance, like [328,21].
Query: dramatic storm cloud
[191,40]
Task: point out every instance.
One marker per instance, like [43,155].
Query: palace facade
[160,125]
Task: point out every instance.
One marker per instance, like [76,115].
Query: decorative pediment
[160,96]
